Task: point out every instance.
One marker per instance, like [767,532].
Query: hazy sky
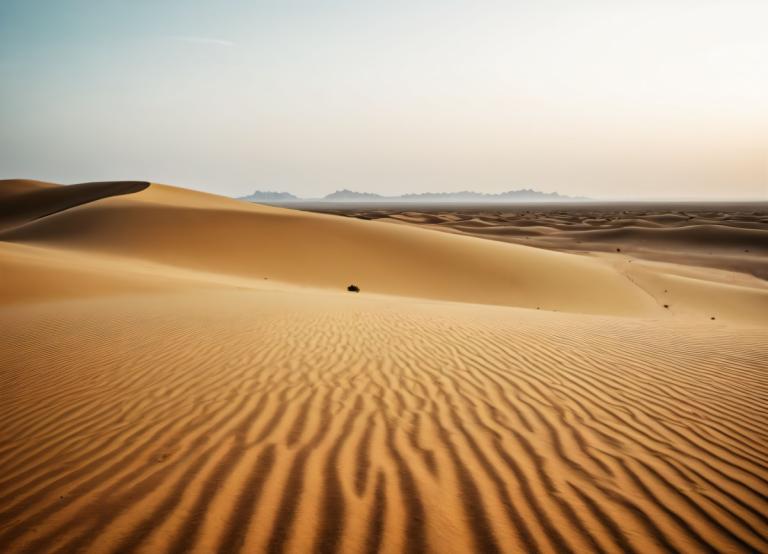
[607,99]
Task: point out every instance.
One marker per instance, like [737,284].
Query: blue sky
[605,99]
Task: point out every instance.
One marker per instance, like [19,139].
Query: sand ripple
[317,423]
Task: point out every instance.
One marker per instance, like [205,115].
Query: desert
[185,372]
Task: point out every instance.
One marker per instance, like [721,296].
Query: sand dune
[12,187]
[734,238]
[200,232]
[24,201]
[158,394]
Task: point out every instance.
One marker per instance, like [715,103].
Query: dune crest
[12,187]
[22,201]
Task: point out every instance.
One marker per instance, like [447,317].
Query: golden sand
[186,373]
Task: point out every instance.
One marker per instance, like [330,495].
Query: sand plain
[183,372]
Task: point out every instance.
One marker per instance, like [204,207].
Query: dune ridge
[181,372]
[12,187]
[25,200]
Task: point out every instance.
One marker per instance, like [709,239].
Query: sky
[606,99]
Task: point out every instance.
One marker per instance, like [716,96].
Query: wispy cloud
[203,40]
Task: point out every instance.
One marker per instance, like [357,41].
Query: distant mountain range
[522,195]
[269,196]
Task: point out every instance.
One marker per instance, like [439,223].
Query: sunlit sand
[184,372]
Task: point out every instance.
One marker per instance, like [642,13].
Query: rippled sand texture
[169,409]
[270,424]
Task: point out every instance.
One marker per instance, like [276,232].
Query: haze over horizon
[605,100]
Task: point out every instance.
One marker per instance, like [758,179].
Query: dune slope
[158,394]
[202,232]
[197,231]
[731,236]
[22,201]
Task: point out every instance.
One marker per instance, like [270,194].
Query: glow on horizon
[600,99]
